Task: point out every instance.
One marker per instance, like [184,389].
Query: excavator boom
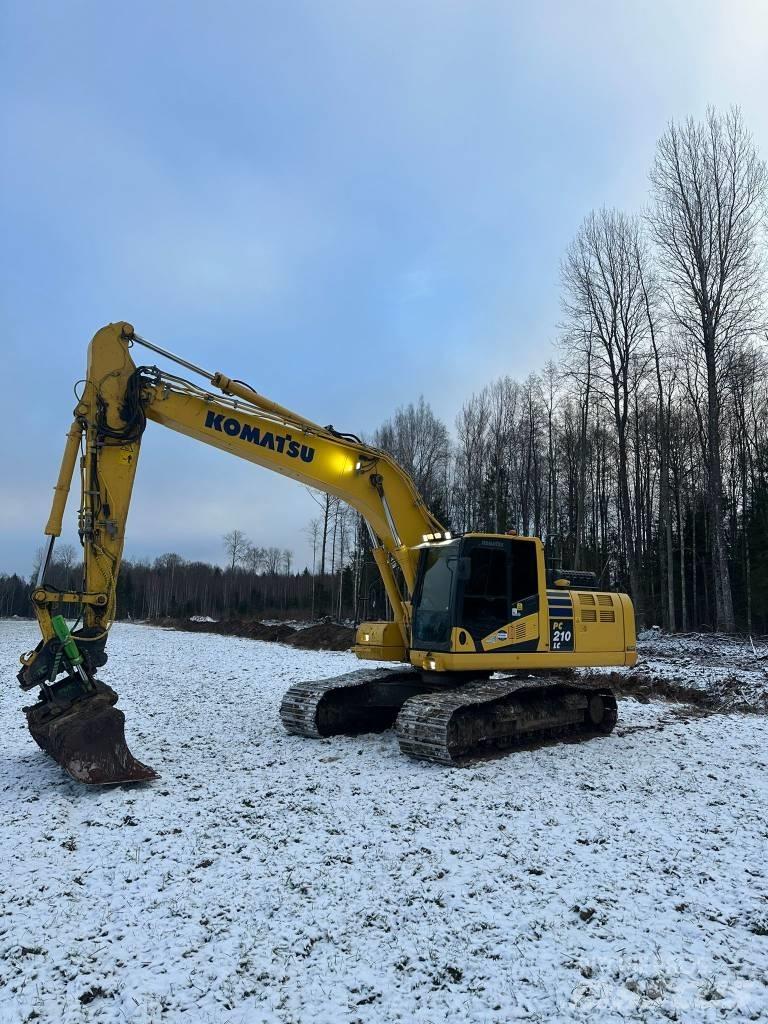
[75,720]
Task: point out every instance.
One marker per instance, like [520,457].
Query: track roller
[476,719]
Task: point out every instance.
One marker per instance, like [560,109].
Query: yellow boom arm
[109,421]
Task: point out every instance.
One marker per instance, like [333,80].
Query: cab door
[498,598]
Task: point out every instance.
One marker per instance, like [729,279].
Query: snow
[269,878]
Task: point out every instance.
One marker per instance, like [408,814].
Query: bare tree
[581,373]
[328,503]
[236,545]
[664,384]
[503,396]
[272,559]
[709,191]
[603,275]
[66,556]
[550,398]
[471,461]
[253,558]
[420,443]
[313,531]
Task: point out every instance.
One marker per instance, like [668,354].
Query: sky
[345,204]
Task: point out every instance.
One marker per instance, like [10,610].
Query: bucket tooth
[87,738]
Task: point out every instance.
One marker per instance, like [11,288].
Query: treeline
[641,452]
[256,582]
[14,596]
[171,586]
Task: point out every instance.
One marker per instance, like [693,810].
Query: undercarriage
[451,721]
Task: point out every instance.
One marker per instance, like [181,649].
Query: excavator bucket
[87,738]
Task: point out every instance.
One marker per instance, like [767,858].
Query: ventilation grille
[586,598]
[520,631]
[607,616]
[605,599]
[589,615]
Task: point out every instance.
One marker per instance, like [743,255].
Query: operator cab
[471,592]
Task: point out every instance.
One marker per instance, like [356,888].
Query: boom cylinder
[393,594]
[61,490]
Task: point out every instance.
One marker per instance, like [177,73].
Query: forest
[639,451]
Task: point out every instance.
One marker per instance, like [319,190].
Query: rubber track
[424,723]
[298,708]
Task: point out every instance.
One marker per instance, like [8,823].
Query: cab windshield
[432,616]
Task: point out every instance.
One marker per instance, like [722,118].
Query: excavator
[483,637]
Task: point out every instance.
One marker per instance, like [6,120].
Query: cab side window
[524,571]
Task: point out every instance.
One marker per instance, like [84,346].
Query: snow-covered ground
[731,670]
[268,878]
[735,668]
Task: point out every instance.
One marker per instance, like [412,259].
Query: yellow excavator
[464,607]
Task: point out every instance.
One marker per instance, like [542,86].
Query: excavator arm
[75,719]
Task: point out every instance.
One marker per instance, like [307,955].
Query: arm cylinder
[239,390]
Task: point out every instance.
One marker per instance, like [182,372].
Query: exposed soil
[324,636]
[321,636]
[727,696]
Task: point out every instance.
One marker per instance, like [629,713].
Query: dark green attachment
[72,651]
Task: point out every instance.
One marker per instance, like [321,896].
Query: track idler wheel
[87,738]
[601,713]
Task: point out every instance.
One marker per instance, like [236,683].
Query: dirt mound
[322,636]
[261,631]
[282,632]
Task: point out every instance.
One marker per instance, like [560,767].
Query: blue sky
[346,204]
